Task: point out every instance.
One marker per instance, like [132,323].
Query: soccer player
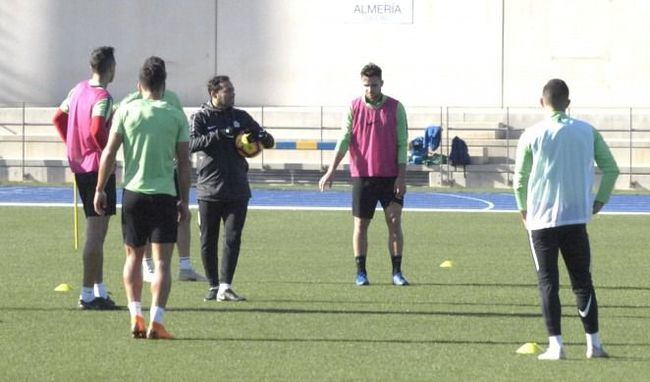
[83,122]
[186,272]
[153,134]
[375,132]
[554,175]
[222,184]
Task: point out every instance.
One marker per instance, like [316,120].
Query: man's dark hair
[101,59]
[556,92]
[153,74]
[214,84]
[371,70]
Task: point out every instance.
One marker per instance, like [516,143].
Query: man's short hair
[556,92]
[371,70]
[153,74]
[215,83]
[101,59]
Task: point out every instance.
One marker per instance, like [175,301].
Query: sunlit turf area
[305,320]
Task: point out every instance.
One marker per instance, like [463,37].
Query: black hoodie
[222,172]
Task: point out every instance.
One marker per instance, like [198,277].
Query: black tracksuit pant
[573,242]
[211,214]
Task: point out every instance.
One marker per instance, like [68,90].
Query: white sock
[185,262]
[100,290]
[224,287]
[554,342]
[156,314]
[135,308]
[87,294]
[148,262]
[593,340]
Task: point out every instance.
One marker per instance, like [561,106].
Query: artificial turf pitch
[305,319]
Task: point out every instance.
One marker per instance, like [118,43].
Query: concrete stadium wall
[46,45]
[297,52]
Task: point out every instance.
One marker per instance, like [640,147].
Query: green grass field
[305,320]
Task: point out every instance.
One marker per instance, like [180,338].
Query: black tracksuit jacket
[222,172]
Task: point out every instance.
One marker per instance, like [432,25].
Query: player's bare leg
[393,214]
[94,294]
[360,248]
[160,288]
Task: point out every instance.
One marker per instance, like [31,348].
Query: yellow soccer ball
[245,147]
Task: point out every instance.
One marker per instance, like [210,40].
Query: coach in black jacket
[222,184]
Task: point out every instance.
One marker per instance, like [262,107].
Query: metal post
[508,174]
[262,123]
[630,148]
[22,161]
[448,181]
[321,137]
[503,48]
[441,154]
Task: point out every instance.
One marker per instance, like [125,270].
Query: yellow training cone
[63,288]
[529,348]
[447,264]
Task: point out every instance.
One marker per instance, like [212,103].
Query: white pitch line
[490,205]
[305,208]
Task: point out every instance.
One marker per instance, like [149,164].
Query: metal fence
[26,134]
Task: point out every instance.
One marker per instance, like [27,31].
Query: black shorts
[148,218]
[86,184]
[366,192]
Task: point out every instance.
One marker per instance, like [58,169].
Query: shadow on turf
[448,284]
[319,311]
[411,342]
[340,302]
[379,312]
[363,312]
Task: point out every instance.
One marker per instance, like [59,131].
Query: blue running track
[333,200]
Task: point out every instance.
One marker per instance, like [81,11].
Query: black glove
[255,136]
[226,133]
[265,138]
[252,136]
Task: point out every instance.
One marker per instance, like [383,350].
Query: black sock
[397,264]
[361,264]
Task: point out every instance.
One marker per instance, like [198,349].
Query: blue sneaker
[399,280]
[362,279]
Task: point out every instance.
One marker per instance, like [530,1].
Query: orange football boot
[157,331]
[137,327]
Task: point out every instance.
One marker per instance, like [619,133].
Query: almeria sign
[383,12]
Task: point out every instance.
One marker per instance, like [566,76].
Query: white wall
[597,46]
[289,52]
[304,52]
[46,44]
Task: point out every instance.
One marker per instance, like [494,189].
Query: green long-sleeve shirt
[554,172]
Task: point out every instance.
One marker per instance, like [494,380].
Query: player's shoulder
[581,123]
[174,111]
[241,113]
[130,98]
[130,107]
[534,130]
[173,99]
[391,99]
